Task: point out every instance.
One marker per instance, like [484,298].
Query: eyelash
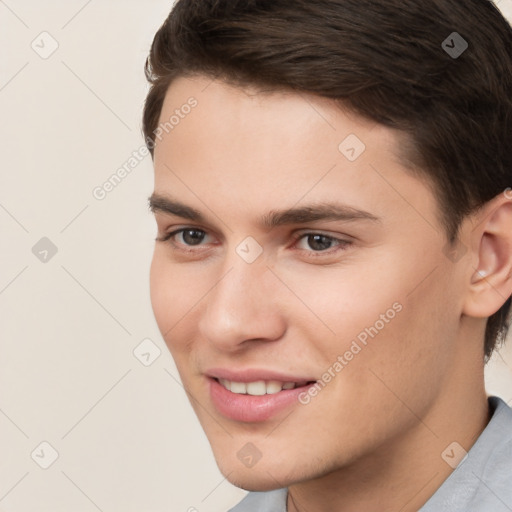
[341,245]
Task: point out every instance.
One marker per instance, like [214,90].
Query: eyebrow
[274,218]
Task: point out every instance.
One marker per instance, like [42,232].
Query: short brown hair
[384,59]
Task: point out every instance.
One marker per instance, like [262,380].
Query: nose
[243,306]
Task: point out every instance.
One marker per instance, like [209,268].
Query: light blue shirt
[481,483]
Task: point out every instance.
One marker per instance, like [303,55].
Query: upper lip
[256,374]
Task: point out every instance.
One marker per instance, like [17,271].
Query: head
[343,176]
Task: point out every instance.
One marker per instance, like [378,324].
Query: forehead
[259,149]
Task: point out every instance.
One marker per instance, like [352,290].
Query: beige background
[125,435]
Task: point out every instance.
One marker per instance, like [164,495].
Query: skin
[373,437]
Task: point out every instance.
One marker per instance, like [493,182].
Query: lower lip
[249,408]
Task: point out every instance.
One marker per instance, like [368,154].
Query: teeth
[257,388]
[274,387]
[226,384]
[238,387]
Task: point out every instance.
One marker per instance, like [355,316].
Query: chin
[263,476]
[256,481]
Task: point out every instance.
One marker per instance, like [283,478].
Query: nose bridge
[242,304]
[241,289]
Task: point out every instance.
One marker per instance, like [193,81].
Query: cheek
[161,299]
[171,298]
[177,295]
[338,306]
[409,356]
[388,317]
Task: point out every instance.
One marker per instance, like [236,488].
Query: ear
[491,280]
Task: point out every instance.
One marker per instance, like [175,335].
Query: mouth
[255,401]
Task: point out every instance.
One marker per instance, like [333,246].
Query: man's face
[366,304]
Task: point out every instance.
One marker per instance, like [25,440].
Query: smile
[255,401]
[259,387]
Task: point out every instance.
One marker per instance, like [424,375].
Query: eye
[314,244]
[189,236]
[320,243]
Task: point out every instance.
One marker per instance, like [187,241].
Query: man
[333,264]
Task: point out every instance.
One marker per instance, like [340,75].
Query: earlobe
[491,282]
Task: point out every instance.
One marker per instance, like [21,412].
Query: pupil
[192,236]
[315,242]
